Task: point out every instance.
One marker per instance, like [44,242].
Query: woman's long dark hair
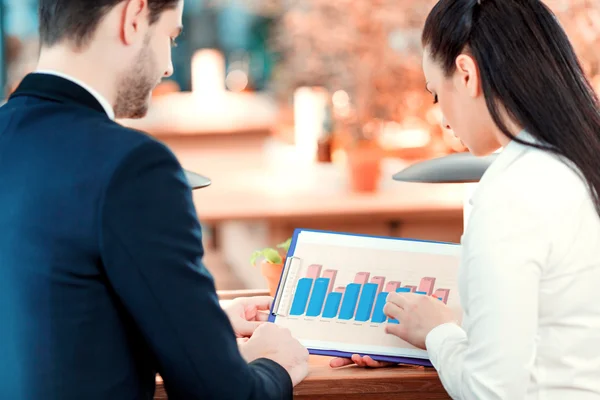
[528,66]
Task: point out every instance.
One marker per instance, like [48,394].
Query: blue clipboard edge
[392,359]
[337,353]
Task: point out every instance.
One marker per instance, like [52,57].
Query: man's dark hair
[77,20]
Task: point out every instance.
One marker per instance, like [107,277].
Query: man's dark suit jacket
[101,276]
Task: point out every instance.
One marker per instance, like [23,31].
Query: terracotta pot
[364,167]
[272,273]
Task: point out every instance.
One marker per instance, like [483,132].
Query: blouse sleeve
[504,253]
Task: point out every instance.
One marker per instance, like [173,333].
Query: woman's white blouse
[529,285]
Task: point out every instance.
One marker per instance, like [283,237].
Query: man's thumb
[248,327]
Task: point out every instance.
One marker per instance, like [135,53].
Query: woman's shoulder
[548,173]
[540,182]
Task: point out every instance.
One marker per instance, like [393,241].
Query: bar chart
[336,286]
[360,301]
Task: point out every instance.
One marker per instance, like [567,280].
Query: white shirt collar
[101,99]
[504,160]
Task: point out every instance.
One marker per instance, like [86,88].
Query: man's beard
[136,85]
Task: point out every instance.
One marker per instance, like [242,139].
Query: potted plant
[363,155]
[271,263]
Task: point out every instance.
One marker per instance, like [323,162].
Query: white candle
[309,113]
[208,72]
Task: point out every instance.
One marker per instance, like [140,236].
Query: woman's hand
[418,315]
[364,361]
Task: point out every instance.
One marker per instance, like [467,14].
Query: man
[101,279]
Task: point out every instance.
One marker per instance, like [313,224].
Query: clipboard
[334,284]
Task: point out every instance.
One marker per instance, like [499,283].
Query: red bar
[314,271]
[362,278]
[443,294]
[379,280]
[412,288]
[426,285]
[392,286]
[331,274]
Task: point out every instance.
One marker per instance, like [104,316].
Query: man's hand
[248,313]
[277,344]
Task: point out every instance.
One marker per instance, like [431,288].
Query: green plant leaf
[272,256]
[269,254]
[255,256]
[285,245]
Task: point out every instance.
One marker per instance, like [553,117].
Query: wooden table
[352,382]
[271,186]
[402,382]
[348,383]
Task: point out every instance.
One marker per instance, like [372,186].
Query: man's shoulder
[87,139]
[118,142]
[127,145]
[112,146]
[114,133]
[82,128]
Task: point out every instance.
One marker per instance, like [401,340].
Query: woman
[505,75]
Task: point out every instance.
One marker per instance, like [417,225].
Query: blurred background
[300,111]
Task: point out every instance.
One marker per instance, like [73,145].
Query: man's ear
[466,76]
[134,21]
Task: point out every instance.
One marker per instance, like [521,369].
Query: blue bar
[421,293]
[317,297]
[399,290]
[301,296]
[367,298]
[350,299]
[332,305]
[378,315]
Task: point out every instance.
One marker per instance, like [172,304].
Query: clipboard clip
[280,294]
